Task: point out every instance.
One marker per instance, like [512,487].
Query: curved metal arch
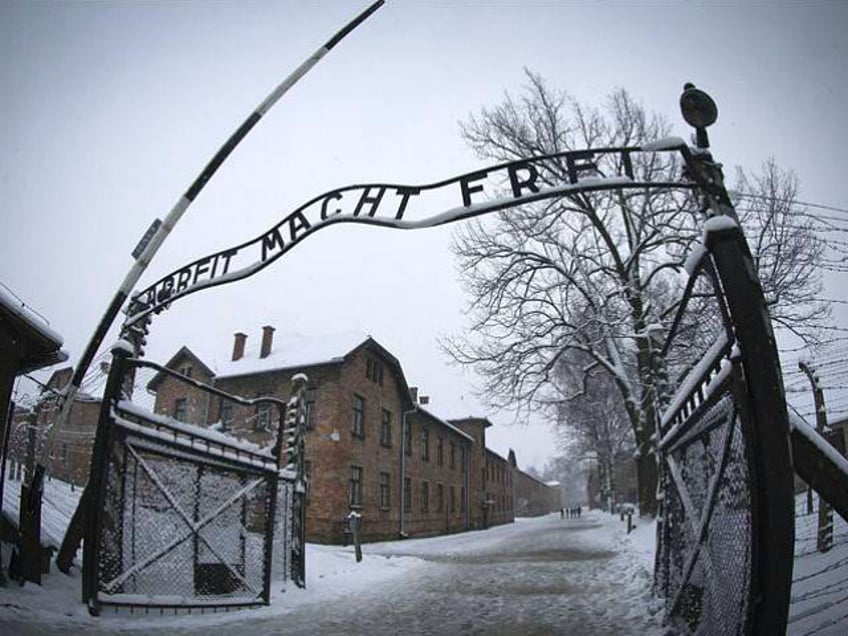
[391,205]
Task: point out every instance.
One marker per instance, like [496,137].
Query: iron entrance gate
[724,560]
[186,516]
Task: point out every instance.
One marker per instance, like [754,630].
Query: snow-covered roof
[44,344]
[445,423]
[14,305]
[491,452]
[291,351]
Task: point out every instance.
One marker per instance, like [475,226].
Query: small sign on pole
[148,235]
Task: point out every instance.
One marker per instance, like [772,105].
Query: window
[385,490]
[407,439]
[440,451]
[374,371]
[186,371]
[263,417]
[226,416]
[309,402]
[386,429]
[440,497]
[358,416]
[425,496]
[452,456]
[452,499]
[354,490]
[180,409]
[407,494]
[425,444]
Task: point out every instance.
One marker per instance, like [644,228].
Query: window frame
[356,475]
[386,428]
[180,407]
[309,408]
[385,491]
[225,414]
[425,496]
[425,444]
[358,423]
[263,417]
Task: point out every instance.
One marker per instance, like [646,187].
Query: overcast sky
[109,110]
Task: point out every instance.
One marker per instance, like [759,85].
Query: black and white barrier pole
[158,231]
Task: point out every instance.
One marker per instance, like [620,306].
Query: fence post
[825,534]
[94,490]
[767,439]
[353,523]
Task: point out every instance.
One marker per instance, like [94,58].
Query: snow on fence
[819,603]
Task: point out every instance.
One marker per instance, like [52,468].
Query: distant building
[71,453]
[533,497]
[838,436]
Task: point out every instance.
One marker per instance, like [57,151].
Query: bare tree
[787,248]
[594,426]
[590,274]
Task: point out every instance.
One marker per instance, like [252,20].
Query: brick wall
[533,497]
[498,494]
[439,473]
[476,428]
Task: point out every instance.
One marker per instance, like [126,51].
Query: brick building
[371,446]
[71,454]
[533,497]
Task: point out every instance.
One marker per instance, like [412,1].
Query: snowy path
[536,576]
[549,577]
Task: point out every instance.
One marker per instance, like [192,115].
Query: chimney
[238,346]
[413,394]
[267,341]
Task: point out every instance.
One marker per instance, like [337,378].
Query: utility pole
[825,532]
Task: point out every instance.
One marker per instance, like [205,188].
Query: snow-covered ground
[543,571]
[543,575]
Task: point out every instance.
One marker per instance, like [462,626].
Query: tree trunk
[646,473]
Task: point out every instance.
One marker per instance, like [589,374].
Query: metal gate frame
[755,382]
[119,429]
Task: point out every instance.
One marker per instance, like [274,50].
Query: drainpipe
[467,480]
[403,433]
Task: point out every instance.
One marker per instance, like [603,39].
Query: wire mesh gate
[725,535]
[186,514]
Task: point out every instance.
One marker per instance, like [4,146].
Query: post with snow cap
[291,445]
[88,514]
[700,111]
[824,539]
